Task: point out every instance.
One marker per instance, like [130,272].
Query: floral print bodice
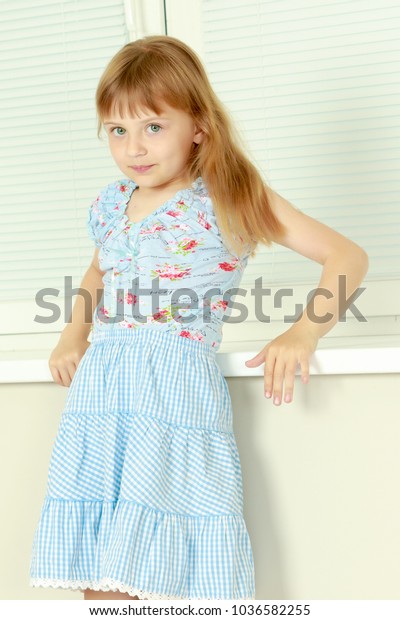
[171,271]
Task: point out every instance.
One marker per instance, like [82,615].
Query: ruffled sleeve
[103,211]
[93,221]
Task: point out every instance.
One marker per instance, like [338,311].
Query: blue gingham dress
[144,490]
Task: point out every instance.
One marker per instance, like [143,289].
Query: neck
[145,193]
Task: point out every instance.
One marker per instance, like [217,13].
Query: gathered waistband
[125,335]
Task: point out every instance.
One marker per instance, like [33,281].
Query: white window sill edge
[339,361]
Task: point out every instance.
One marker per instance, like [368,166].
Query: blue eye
[153,125]
[118,134]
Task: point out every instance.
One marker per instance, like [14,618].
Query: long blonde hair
[161,69]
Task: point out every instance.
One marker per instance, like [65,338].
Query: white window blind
[313,86]
[52,54]
[315,89]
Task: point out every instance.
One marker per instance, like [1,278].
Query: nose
[135,145]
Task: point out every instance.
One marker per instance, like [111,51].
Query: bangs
[146,85]
[132,103]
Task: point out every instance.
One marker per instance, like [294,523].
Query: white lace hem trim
[106,584]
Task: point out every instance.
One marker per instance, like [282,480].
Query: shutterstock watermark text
[126,303]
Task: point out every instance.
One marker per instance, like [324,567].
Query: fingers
[279,377]
[68,373]
[65,359]
[63,374]
[55,374]
[269,375]
[275,377]
[290,373]
[305,370]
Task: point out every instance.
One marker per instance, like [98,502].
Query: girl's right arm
[73,342]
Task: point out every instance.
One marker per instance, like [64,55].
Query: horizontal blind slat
[314,90]
[52,164]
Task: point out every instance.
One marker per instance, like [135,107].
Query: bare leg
[93,595]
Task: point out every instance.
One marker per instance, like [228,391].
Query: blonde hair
[161,69]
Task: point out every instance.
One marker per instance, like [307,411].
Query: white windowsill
[32,366]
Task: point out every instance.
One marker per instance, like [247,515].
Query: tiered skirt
[144,490]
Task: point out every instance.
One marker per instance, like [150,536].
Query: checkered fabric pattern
[144,489]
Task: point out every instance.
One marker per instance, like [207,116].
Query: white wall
[320,485]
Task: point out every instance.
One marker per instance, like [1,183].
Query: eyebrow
[150,118]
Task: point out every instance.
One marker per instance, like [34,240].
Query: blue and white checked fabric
[144,489]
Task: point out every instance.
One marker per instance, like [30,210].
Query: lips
[141,168]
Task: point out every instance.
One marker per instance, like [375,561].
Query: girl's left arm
[340,257]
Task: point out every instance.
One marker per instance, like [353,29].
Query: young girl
[144,496]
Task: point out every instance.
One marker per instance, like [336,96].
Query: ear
[199,127]
[198,136]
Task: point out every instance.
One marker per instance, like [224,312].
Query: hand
[65,358]
[282,356]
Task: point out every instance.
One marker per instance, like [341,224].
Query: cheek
[115,149]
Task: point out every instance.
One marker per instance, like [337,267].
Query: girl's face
[163,142]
